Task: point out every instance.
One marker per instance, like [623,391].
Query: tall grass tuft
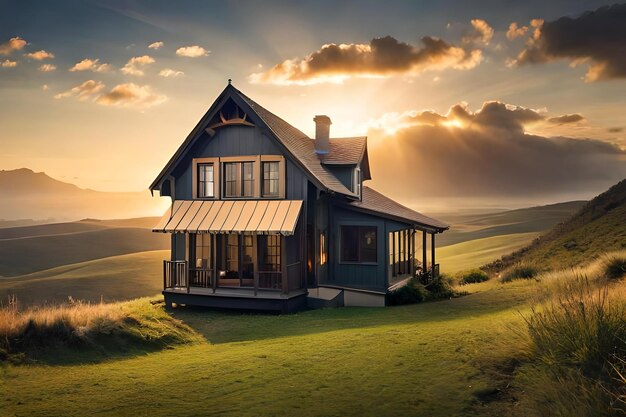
[519,271]
[578,342]
[135,324]
[614,265]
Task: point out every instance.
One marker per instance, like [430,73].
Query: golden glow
[453,123]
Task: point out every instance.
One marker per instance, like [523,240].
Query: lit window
[322,248]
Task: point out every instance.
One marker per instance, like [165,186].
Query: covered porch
[234,254]
[410,256]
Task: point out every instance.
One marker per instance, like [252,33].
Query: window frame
[199,181]
[360,227]
[264,193]
[196,162]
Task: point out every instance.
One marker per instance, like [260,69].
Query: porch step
[323,297]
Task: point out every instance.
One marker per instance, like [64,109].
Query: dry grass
[106,327]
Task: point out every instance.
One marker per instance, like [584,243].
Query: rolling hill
[33,248]
[29,195]
[598,227]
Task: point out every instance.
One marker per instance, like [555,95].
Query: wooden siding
[343,174]
[354,275]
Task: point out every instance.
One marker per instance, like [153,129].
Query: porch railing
[202,278]
[174,274]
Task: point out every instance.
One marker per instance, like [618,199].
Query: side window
[359,244]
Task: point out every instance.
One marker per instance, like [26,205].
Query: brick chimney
[322,134]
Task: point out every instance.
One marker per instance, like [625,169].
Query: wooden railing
[272,280]
[202,278]
[174,274]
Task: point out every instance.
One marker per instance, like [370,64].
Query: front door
[238,260]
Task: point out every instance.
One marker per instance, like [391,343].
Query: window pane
[205,180]
[367,244]
[232,179]
[349,243]
[270,178]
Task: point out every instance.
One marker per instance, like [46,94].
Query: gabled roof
[296,143]
[345,151]
[373,201]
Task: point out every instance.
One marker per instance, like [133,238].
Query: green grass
[121,277]
[472,254]
[412,360]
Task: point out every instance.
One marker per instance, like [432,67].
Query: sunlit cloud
[382,57]
[597,38]
[39,55]
[47,68]
[515,31]
[83,91]
[131,95]
[567,118]
[168,72]
[45,87]
[7,63]
[156,45]
[13,44]
[193,51]
[88,64]
[481,32]
[486,152]
[134,65]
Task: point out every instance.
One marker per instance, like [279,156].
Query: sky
[507,102]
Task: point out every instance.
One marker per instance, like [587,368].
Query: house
[265,218]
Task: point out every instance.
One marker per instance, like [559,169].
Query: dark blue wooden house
[264,217]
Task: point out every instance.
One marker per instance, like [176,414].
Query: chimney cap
[321,118]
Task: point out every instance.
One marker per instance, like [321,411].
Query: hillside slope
[598,227]
[33,248]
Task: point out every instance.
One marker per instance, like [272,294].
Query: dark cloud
[487,153]
[615,129]
[567,118]
[598,37]
[381,57]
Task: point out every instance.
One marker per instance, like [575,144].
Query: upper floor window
[239,179]
[206,184]
[271,175]
[357,181]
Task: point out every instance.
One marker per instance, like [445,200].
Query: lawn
[427,359]
[472,254]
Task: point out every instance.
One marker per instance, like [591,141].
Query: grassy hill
[472,254]
[33,248]
[115,278]
[598,227]
[466,227]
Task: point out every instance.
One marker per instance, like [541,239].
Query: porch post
[424,266]
[412,257]
[256,263]
[432,249]
[215,272]
[283,264]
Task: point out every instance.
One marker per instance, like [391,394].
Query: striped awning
[252,216]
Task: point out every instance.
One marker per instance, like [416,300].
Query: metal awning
[251,216]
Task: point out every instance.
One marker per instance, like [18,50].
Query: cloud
[156,45]
[168,72]
[481,32]
[133,66]
[47,68]
[45,87]
[193,51]
[596,37]
[13,44]
[7,63]
[615,129]
[382,57]
[83,91]
[88,64]
[515,32]
[131,95]
[567,118]
[487,153]
[39,55]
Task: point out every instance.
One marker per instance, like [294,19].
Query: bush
[440,288]
[519,271]
[473,277]
[411,293]
[614,266]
